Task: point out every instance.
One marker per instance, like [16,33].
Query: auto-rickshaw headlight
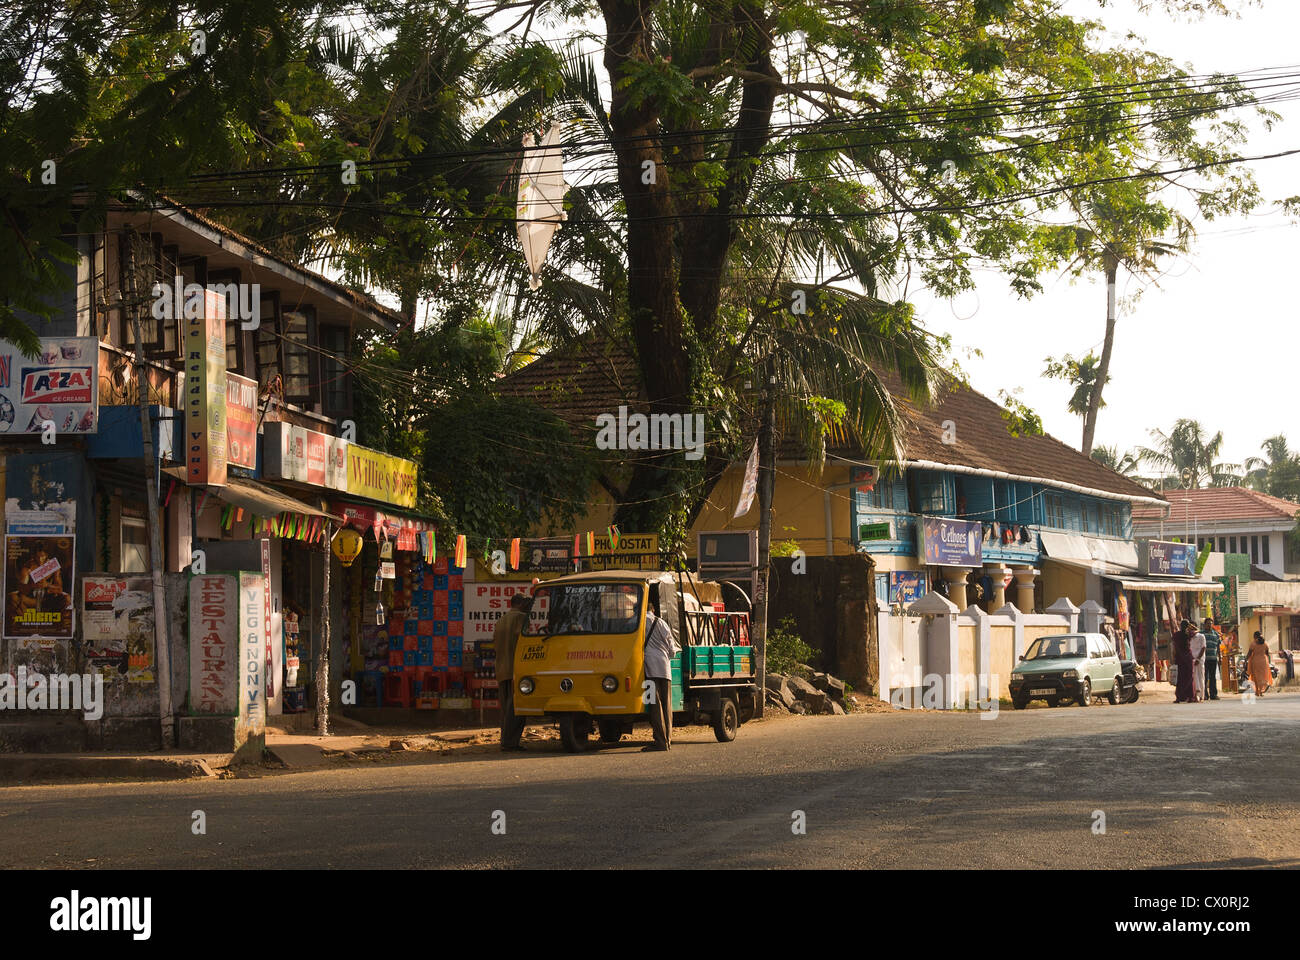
[525,685]
[609,684]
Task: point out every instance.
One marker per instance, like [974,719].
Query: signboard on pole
[205,393]
[59,386]
[951,543]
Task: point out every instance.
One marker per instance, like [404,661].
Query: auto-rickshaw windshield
[578,608]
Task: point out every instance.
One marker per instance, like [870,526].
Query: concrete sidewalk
[20,769]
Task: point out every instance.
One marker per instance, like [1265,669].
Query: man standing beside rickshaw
[660,649]
[505,636]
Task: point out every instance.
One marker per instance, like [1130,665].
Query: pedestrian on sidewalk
[1289,657]
[1183,690]
[1211,659]
[505,636]
[1198,642]
[660,648]
[1258,665]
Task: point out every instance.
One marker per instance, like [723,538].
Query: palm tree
[1120,224]
[1125,464]
[1188,456]
[1080,374]
[1278,474]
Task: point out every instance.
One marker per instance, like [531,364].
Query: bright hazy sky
[1218,340]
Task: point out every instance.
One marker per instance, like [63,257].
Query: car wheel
[1019,704]
[1117,693]
[1133,693]
[1085,693]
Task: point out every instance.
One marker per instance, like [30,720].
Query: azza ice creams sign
[58,386]
[951,543]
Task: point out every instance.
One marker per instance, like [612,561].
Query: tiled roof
[1217,504]
[593,378]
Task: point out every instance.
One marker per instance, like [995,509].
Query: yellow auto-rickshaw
[580,659]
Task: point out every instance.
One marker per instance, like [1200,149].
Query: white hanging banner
[750,485]
[540,207]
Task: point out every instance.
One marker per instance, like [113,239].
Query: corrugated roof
[594,377]
[1219,504]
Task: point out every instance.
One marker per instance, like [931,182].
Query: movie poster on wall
[38,585]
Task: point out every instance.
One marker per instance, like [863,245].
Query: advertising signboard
[214,643]
[205,393]
[241,421]
[1169,559]
[60,386]
[951,543]
[906,586]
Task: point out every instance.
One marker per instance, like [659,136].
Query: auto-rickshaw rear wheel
[575,729]
[726,721]
[611,731]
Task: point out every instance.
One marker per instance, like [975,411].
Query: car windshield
[1053,648]
[577,608]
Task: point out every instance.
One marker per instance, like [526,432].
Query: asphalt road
[1209,785]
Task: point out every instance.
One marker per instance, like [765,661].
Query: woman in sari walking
[1257,665]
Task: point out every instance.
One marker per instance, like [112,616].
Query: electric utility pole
[766,479]
[162,653]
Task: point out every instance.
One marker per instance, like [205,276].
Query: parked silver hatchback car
[1065,667]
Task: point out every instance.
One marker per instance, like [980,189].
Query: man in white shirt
[660,649]
[1198,665]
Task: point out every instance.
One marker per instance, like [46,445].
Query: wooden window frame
[310,349]
[323,391]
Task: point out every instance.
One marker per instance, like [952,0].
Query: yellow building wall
[1060,580]
[798,510]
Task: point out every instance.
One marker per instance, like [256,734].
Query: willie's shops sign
[1168,559]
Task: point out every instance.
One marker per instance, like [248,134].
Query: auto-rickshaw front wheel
[575,729]
[726,721]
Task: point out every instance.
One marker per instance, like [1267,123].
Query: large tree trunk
[1103,368]
[708,229]
[660,294]
[651,272]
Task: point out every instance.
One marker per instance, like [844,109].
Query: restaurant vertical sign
[205,393]
[214,643]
